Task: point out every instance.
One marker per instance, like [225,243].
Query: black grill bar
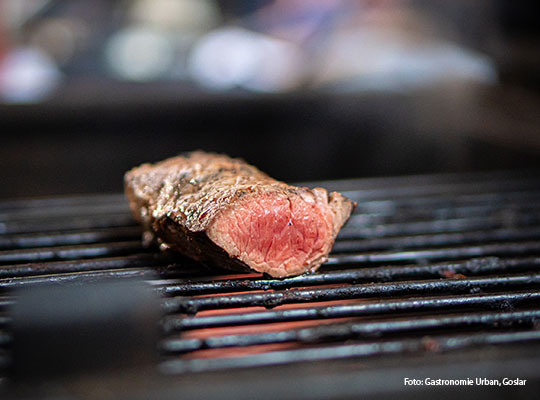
[170,267]
[130,261]
[62,201]
[473,266]
[448,206]
[478,191]
[442,343]
[441,239]
[22,241]
[87,210]
[451,253]
[71,252]
[146,273]
[192,305]
[144,260]
[498,301]
[67,238]
[113,248]
[61,224]
[410,186]
[78,277]
[359,330]
[454,179]
[356,229]
[488,265]
[444,189]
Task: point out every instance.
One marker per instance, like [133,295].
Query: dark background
[85,136]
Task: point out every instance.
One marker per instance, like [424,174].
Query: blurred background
[304,89]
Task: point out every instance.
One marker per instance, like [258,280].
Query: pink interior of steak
[276,234]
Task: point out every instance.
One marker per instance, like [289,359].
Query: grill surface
[426,265]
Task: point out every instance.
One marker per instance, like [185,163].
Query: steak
[223,211]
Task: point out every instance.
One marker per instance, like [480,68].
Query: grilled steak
[223,211]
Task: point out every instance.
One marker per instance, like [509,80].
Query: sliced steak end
[223,211]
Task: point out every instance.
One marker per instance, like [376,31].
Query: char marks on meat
[223,211]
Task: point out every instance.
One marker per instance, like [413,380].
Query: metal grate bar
[170,267]
[87,210]
[451,253]
[380,307]
[21,241]
[130,261]
[359,330]
[79,277]
[59,224]
[62,201]
[67,238]
[359,230]
[441,189]
[440,239]
[476,266]
[116,248]
[192,305]
[453,205]
[442,343]
[411,181]
[71,252]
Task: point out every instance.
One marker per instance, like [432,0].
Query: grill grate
[426,264]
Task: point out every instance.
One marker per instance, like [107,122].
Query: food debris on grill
[223,211]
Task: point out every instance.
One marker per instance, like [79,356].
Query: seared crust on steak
[200,204]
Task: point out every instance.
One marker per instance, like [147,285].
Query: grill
[437,272]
